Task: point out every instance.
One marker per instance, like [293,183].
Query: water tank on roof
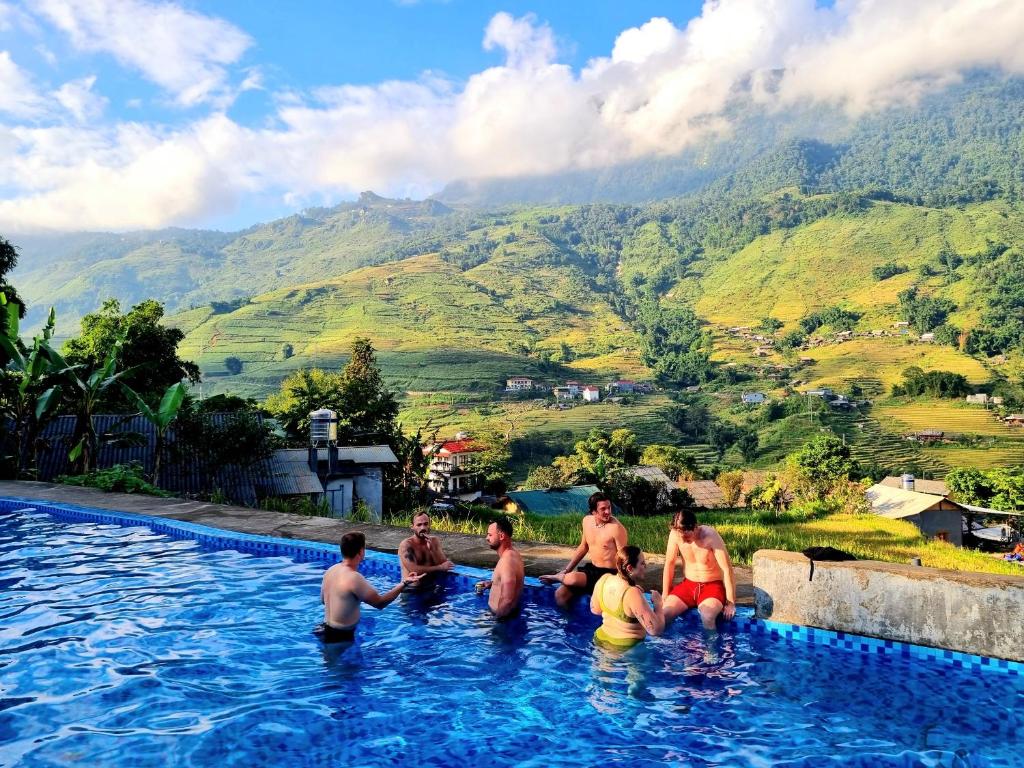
[907,481]
[462,435]
[323,426]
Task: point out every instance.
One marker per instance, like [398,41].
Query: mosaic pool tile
[465,577]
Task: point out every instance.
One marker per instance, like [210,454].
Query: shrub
[120,478]
[233,365]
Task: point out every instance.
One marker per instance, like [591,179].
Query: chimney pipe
[908,482]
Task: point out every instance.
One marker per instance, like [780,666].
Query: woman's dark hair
[352,544]
[627,556]
[684,520]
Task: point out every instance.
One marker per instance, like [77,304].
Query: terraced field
[949,416]
[884,360]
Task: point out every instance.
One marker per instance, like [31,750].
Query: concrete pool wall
[975,613]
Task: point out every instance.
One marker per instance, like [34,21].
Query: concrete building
[752,398]
[935,516]
[518,384]
[449,474]
[343,475]
[590,394]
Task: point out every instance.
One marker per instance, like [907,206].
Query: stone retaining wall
[975,613]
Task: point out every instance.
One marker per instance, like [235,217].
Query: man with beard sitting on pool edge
[506,583]
[708,584]
[603,536]
[421,553]
[344,588]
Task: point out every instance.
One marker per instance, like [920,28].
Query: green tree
[233,365]
[544,477]
[302,392]
[26,376]
[13,306]
[1007,489]
[969,486]
[368,407]
[673,461]
[596,455]
[149,351]
[491,461]
[160,418]
[822,465]
[731,483]
[86,394]
[769,324]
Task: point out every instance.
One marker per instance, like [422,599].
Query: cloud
[660,89]
[18,96]
[186,53]
[77,97]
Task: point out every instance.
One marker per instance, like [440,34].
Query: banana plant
[27,407]
[88,393]
[160,418]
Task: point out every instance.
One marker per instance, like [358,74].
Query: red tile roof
[459,446]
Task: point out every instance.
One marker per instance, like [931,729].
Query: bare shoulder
[713,538]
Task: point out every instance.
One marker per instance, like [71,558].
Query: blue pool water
[120,646]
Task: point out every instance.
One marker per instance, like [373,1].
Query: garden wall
[975,613]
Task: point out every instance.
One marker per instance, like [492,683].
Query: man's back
[340,593]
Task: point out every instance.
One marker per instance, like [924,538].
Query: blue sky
[132,114]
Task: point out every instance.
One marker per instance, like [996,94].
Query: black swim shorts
[329,634]
[593,573]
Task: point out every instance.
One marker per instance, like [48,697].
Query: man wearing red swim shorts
[708,582]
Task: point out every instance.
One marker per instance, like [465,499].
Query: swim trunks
[329,634]
[593,573]
[693,593]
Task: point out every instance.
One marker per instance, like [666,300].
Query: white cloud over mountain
[660,89]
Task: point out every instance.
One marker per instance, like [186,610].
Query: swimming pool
[121,645]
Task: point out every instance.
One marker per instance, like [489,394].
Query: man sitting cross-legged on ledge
[708,584]
[603,537]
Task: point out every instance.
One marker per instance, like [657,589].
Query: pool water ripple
[124,647]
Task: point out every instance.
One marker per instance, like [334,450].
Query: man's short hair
[421,513]
[352,544]
[595,499]
[504,525]
[684,520]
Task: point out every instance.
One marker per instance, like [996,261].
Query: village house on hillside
[935,516]
[590,394]
[518,384]
[450,474]
[752,398]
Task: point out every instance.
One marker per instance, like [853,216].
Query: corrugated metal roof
[897,503]
[934,487]
[705,493]
[555,501]
[357,454]
[133,439]
[292,475]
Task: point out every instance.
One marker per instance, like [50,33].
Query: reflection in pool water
[120,646]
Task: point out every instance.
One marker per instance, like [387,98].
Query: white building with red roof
[450,473]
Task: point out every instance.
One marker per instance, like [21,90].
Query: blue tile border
[464,577]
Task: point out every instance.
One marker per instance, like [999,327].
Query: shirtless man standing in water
[421,553]
[506,583]
[708,584]
[344,588]
[603,537]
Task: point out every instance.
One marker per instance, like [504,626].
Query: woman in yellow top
[626,617]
